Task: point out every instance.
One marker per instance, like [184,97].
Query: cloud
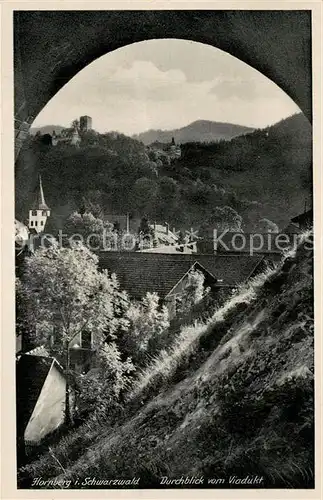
[143,80]
[182,82]
[243,89]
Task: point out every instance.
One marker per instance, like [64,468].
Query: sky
[167,84]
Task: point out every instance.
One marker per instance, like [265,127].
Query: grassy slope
[233,396]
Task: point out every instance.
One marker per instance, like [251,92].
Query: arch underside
[50,47]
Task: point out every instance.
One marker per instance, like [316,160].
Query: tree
[193,292]
[146,322]
[92,203]
[91,230]
[226,219]
[144,194]
[167,199]
[266,226]
[146,234]
[101,386]
[24,318]
[68,295]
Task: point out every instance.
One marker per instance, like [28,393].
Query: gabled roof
[141,272]
[31,373]
[305,217]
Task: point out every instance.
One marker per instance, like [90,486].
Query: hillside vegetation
[231,397]
[263,174]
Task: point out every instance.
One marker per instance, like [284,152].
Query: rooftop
[305,217]
[142,272]
[39,202]
[31,373]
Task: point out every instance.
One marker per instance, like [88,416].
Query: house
[166,274]
[124,222]
[171,149]
[187,248]
[40,397]
[82,349]
[270,245]
[163,235]
[67,136]
[304,220]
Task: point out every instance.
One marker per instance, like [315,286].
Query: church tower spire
[39,211]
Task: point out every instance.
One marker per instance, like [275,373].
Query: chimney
[167,227]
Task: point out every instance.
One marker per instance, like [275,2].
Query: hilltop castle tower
[39,211]
[85,123]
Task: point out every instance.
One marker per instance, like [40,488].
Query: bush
[100,389]
[146,323]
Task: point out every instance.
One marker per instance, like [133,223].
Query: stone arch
[51,47]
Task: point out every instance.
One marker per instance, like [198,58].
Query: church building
[39,211]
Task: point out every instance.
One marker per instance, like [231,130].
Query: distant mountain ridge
[198,131]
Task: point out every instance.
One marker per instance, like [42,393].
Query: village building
[82,350]
[40,397]
[67,136]
[186,248]
[163,235]
[166,274]
[124,222]
[269,245]
[39,211]
[170,149]
[300,223]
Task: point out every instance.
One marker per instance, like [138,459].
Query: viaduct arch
[50,47]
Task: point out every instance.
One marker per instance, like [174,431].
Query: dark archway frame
[50,47]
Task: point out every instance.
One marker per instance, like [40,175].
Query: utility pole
[127,222]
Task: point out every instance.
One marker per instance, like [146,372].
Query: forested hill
[266,173]
[200,130]
[272,166]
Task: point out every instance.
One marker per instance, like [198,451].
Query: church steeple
[39,202]
[39,210]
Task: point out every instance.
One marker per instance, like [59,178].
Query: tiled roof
[139,273]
